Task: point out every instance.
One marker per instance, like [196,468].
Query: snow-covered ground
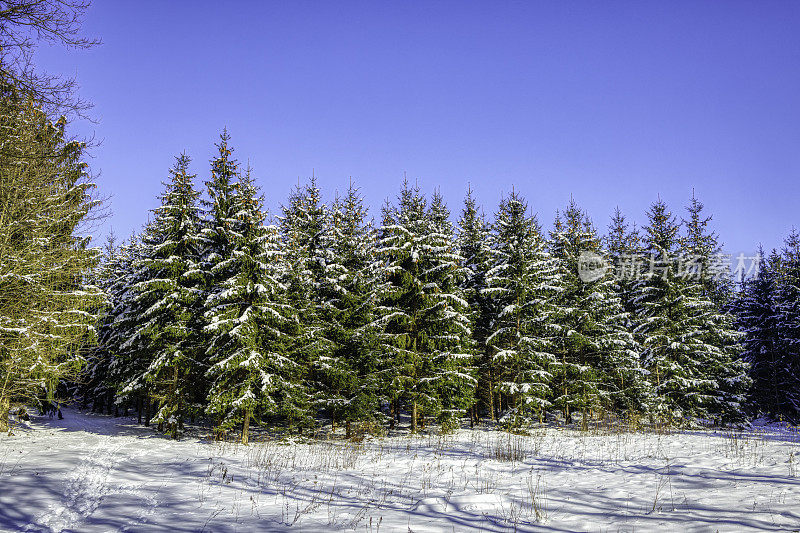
[95,473]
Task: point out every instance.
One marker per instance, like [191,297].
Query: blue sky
[613,103]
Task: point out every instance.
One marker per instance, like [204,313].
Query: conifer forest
[326,314]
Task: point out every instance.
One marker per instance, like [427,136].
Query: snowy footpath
[93,473]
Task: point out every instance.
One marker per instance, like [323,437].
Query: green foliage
[48,308]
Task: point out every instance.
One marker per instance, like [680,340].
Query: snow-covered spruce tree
[421,316]
[302,227]
[452,383]
[523,284]
[690,348]
[47,304]
[131,353]
[124,351]
[347,388]
[93,385]
[712,282]
[249,322]
[474,247]
[701,245]
[757,319]
[787,300]
[114,363]
[623,246]
[217,239]
[166,301]
[597,367]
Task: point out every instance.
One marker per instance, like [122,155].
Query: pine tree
[451,385]
[473,245]
[126,344]
[712,284]
[523,283]
[623,245]
[787,307]
[347,389]
[166,299]
[757,319]
[690,348]
[91,381]
[598,361]
[422,320]
[220,216]
[302,226]
[95,383]
[249,322]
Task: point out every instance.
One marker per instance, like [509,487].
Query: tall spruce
[167,293]
[597,367]
[623,245]
[474,247]
[757,318]
[249,322]
[302,225]
[347,388]
[523,284]
[787,300]
[690,348]
[422,317]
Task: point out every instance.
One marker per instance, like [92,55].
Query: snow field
[95,473]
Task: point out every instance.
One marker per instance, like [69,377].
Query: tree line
[324,314]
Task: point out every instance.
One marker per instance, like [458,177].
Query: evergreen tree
[598,361]
[623,246]
[523,284]
[348,389]
[690,347]
[220,216]
[422,320]
[249,322]
[787,303]
[757,319]
[167,294]
[302,226]
[47,302]
[94,383]
[474,247]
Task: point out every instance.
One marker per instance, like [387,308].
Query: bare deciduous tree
[26,23]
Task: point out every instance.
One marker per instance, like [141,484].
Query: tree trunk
[491,401]
[147,410]
[246,427]
[139,409]
[348,432]
[178,419]
[414,417]
[5,406]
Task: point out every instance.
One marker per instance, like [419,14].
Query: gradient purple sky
[613,103]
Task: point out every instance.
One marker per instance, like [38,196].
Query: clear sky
[613,103]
